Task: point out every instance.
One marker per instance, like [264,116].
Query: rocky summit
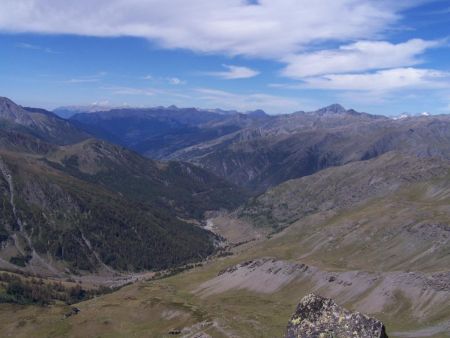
[317,317]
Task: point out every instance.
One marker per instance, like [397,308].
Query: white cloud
[235,72]
[87,78]
[24,45]
[267,29]
[281,30]
[440,11]
[359,56]
[130,91]
[163,80]
[27,46]
[210,98]
[152,91]
[381,81]
[175,81]
[243,102]
[102,103]
[82,80]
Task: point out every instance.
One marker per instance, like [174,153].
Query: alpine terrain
[211,223]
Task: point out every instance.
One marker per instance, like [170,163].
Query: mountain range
[263,209]
[72,201]
[258,151]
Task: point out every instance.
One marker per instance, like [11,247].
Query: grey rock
[317,317]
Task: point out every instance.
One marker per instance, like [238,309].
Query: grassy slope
[144,309]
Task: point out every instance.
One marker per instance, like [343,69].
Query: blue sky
[281,56]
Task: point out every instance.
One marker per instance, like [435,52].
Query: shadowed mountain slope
[40,123]
[369,229]
[261,158]
[93,205]
[158,132]
[258,151]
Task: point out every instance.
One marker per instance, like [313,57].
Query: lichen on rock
[318,317]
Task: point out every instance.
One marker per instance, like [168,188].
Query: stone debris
[265,275]
[73,311]
[174,332]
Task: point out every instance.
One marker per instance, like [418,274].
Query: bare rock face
[318,317]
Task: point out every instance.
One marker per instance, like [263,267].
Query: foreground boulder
[318,317]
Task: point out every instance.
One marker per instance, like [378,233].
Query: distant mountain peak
[7,105]
[40,123]
[333,108]
[12,112]
[5,100]
[68,111]
[257,113]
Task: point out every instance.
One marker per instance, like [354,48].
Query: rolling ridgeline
[72,201]
[349,205]
[258,151]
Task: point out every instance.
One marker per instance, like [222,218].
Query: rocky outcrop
[263,275]
[317,317]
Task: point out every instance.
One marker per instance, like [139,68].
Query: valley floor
[249,294]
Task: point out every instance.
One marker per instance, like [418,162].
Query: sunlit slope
[386,255]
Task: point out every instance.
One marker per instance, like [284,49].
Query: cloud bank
[235,72]
[358,56]
[291,32]
[267,28]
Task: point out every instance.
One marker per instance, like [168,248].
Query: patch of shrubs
[174,271]
[20,260]
[18,290]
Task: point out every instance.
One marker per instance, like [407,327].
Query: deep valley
[155,222]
